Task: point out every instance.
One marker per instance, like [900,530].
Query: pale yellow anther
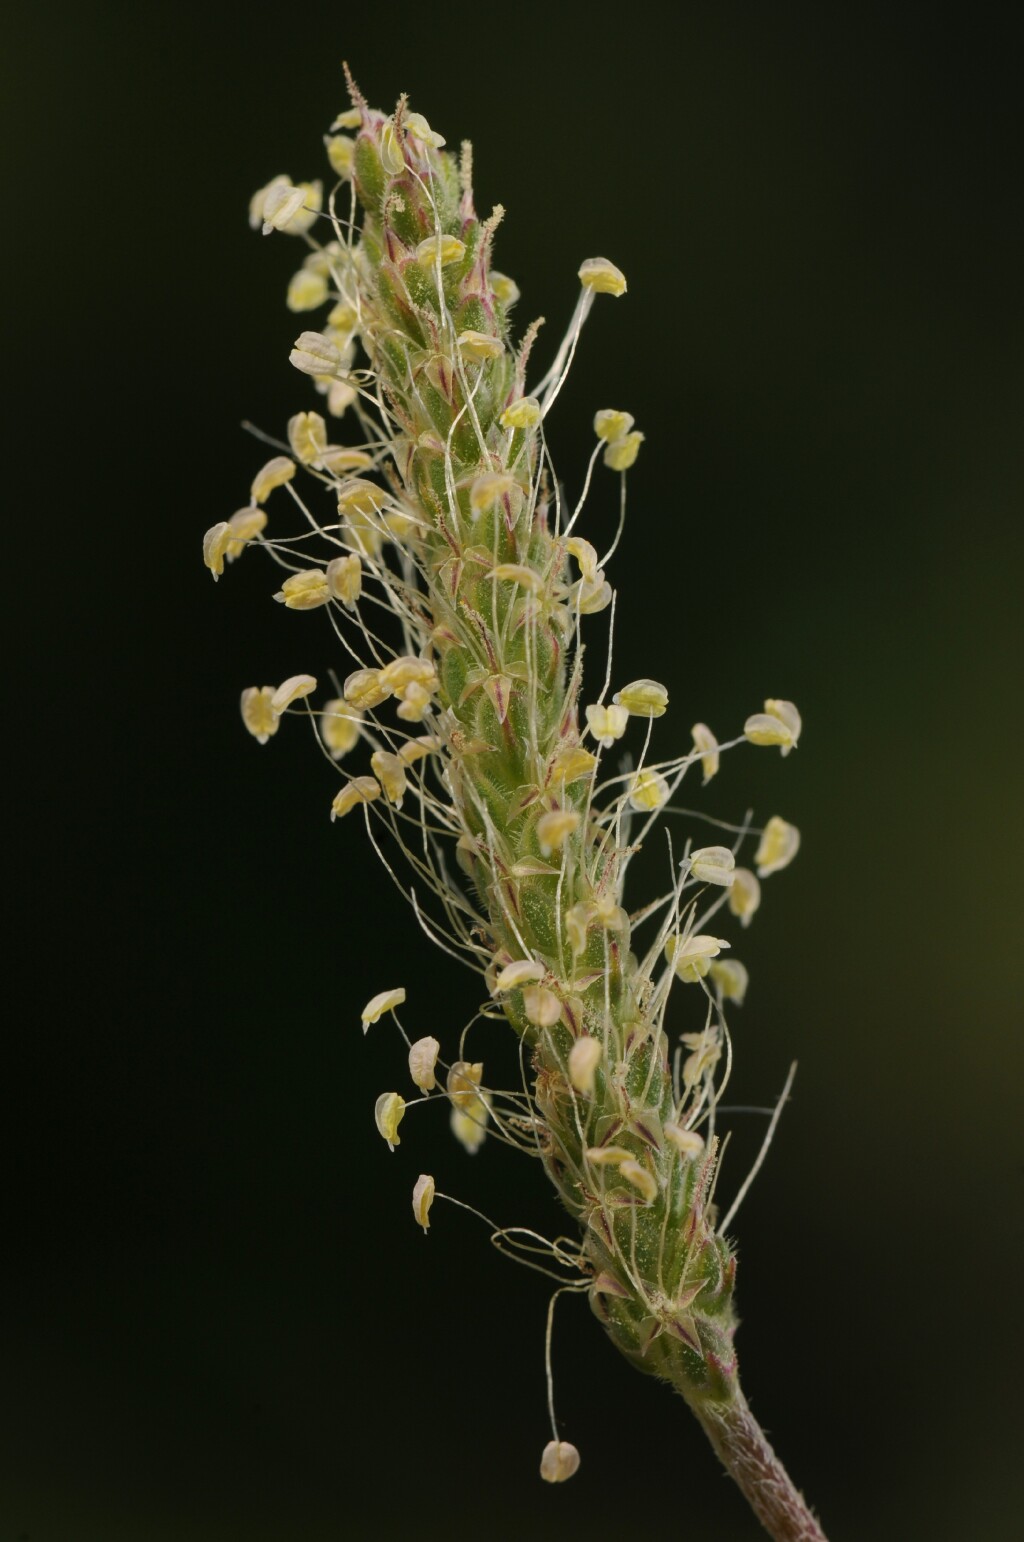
[779,844]
[523,413]
[259,198]
[487,489]
[362,789]
[363,689]
[706,1054]
[621,454]
[422,1199]
[607,1156]
[648,791]
[339,727]
[506,292]
[517,573]
[577,923]
[365,532]
[358,496]
[341,153]
[416,749]
[589,596]
[338,458]
[643,698]
[388,1112]
[607,723]
[608,915]
[295,688]
[463,1082]
[745,895]
[422,1061]
[216,543]
[345,579]
[307,436]
[315,354]
[585,555]
[415,703]
[448,248]
[306,290]
[713,864]
[554,829]
[469,1124]
[274,474]
[258,715]
[572,763]
[304,591]
[787,712]
[392,155]
[390,773]
[559,1461]
[602,276]
[779,724]
[351,118]
[691,958]
[584,1059]
[524,971]
[541,1006]
[732,978]
[245,526]
[293,209]
[384,1001]
[478,347]
[343,318]
[340,395]
[420,129]
[403,671]
[705,743]
[641,1178]
[689,1142]
[610,424]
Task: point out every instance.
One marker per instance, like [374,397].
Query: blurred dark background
[220,1322]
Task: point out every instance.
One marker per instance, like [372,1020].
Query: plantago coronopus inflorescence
[427,524]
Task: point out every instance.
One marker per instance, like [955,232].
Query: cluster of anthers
[438,544]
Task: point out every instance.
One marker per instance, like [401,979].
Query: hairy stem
[747,1456]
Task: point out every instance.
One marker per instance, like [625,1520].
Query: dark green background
[220,1322]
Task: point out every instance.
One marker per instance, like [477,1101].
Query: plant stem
[747,1456]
